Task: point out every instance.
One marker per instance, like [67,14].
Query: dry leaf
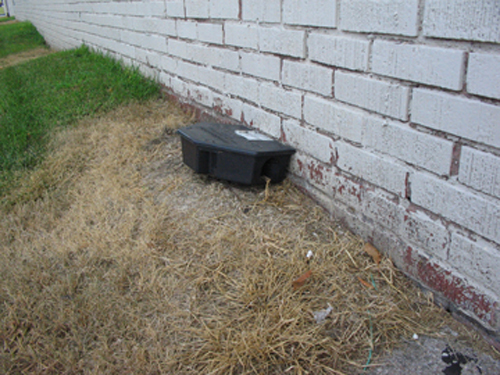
[365,283]
[297,283]
[373,252]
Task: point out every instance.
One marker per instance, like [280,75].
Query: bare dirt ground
[116,258]
[22,57]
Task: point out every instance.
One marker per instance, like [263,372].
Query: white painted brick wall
[241,35]
[336,118]
[228,9]
[426,233]
[379,96]
[187,29]
[262,120]
[457,204]
[463,19]
[210,33]
[281,100]
[378,170]
[480,170]
[483,77]
[262,10]
[197,8]
[430,65]
[409,145]
[310,12]
[282,41]
[476,259]
[344,52]
[399,17]
[260,65]
[175,8]
[317,145]
[246,88]
[467,118]
[308,77]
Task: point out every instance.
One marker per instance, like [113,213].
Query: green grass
[55,91]
[18,37]
[5,19]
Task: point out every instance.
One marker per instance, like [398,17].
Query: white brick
[212,78]
[480,170]
[457,204]
[188,71]
[346,190]
[379,96]
[197,8]
[187,29]
[209,32]
[280,100]
[459,116]
[154,8]
[410,145]
[166,27]
[260,65]
[262,120]
[310,12]
[339,51]
[262,10]
[241,35]
[169,64]
[426,233]
[380,207]
[380,171]
[478,259]
[483,76]
[224,9]
[227,106]
[243,87]
[175,8]
[219,57]
[317,145]
[463,19]
[154,42]
[308,77]
[431,65]
[337,118]
[397,17]
[201,95]
[283,42]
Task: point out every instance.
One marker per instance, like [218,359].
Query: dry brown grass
[21,57]
[115,258]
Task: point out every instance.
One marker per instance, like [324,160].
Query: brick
[227,106]
[187,29]
[456,115]
[376,169]
[308,77]
[241,35]
[280,100]
[317,145]
[283,42]
[175,8]
[424,232]
[339,51]
[409,145]
[166,27]
[154,8]
[463,19]
[212,78]
[346,190]
[224,9]
[483,75]
[201,95]
[430,65]
[197,8]
[313,171]
[261,65]
[262,120]
[154,42]
[478,259]
[168,64]
[310,12]
[246,88]
[337,118]
[379,96]
[379,207]
[209,32]
[398,17]
[262,10]
[188,71]
[457,204]
[480,170]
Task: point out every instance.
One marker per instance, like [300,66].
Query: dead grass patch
[115,258]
